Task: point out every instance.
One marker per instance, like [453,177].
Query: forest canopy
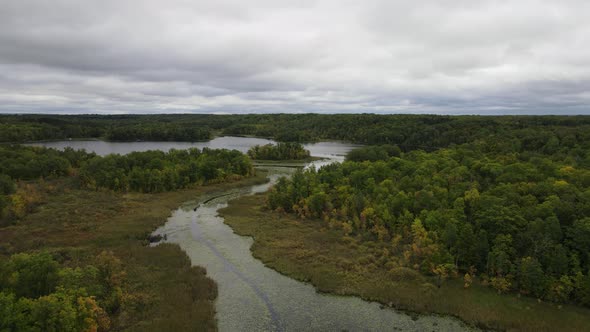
[521,221]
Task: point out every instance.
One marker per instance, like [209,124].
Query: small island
[283,151]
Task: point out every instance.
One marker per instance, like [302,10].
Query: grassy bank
[163,291]
[309,251]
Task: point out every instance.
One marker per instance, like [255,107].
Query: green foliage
[22,164]
[521,218]
[7,186]
[156,171]
[374,153]
[23,128]
[579,238]
[531,278]
[158,132]
[279,151]
[582,289]
[25,163]
[30,275]
[37,295]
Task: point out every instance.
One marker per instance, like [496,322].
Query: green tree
[579,237]
[500,258]
[7,186]
[31,275]
[531,278]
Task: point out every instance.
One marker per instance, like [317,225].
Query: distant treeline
[409,132]
[23,128]
[279,151]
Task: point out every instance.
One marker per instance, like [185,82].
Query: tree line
[545,134]
[25,128]
[156,171]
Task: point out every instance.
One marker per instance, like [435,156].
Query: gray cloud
[229,56]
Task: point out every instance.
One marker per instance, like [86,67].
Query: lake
[330,150]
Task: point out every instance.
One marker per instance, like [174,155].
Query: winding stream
[253,297]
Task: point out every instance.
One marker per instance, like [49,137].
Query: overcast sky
[143,56]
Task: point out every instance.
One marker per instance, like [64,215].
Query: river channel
[253,297]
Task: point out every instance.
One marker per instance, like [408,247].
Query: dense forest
[504,201]
[279,151]
[24,128]
[518,220]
